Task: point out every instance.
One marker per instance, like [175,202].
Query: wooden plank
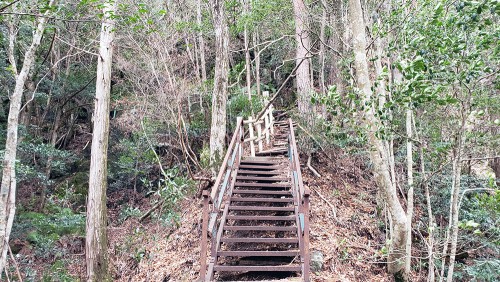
[262,217]
[259,208]
[260,172]
[262,192]
[262,178]
[261,240]
[275,161]
[258,253]
[263,167]
[262,185]
[273,268]
[260,228]
[262,200]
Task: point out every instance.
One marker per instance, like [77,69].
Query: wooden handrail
[303,203]
[229,152]
[295,160]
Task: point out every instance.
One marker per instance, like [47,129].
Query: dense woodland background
[398,108]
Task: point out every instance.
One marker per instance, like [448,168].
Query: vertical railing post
[305,241]
[204,236]
[267,127]
[252,136]
[259,135]
[271,118]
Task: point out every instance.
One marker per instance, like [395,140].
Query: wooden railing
[302,202]
[212,200]
[263,126]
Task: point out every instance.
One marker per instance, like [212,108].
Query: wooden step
[262,200]
[258,253]
[264,161]
[263,167]
[262,192]
[261,240]
[259,208]
[272,151]
[261,178]
[261,217]
[262,185]
[273,268]
[260,228]
[260,172]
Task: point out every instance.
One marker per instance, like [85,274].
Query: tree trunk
[304,84]
[219,96]
[257,60]
[8,186]
[378,153]
[96,245]
[322,55]
[430,243]
[203,64]
[409,210]
[248,63]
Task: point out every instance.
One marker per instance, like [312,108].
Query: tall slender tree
[9,184]
[378,152]
[96,249]
[219,95]
[304,83]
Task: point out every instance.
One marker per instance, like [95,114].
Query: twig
[315,140]
[327,202]
[314,171]
[8,5]
[15,264]
[148,213]
[283,84]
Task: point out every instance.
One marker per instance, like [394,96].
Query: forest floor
[350,244]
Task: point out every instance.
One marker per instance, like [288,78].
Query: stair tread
[263,200]
[261,217]
[260,208]
[259,172]
[276,185]
[258,253]
[263,167]
[260,228]
[259,240]
[273,161]
[261,178]
[262,192]
[239,268]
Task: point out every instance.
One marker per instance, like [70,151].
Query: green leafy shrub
[44,230]
[58,273]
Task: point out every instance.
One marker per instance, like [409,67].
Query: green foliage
[58,273]
[172,189]
[239,106]
[205,157]
[132,159]
[128,212]
[484,270]
[44,230]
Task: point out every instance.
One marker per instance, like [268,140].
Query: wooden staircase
[257,212]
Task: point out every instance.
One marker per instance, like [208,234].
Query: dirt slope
[350,243]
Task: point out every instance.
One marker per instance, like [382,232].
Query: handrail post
[250,130]
[271,118]
[204,237]
[259,135]
[267,128]
[305,241]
